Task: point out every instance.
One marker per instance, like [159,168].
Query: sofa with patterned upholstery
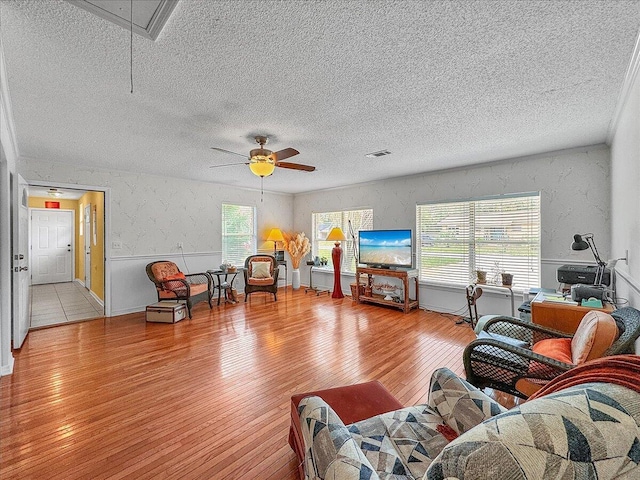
[586,431]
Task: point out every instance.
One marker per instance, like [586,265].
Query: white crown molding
[625,91]
[6,113]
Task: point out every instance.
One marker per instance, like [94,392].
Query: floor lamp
[336,235]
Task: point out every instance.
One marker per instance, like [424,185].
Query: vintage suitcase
[166,312]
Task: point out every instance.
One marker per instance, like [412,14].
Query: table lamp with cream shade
[336,235]
[275,236]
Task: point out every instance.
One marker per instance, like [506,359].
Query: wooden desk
[560,316]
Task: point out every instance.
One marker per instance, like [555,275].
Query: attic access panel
[149,16]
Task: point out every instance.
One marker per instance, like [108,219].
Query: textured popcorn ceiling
[438,83]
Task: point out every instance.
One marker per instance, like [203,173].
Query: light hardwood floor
[208,397]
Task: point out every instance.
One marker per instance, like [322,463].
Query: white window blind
[495,235]
[238,233]
[325,221]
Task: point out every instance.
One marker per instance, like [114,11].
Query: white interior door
[51,246]
[87,246]
[21,283]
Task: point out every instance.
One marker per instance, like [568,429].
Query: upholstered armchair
[519,357]
[172,284]
[260,275]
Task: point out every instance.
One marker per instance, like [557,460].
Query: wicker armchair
[172,284]
[505,361]
[263,282]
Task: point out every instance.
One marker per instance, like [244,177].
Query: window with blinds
[325,221]
[501,234]
[238,233]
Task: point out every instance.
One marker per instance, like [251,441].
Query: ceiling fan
[262,162]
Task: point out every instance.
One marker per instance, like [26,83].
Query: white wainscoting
[131,289]
[451,299]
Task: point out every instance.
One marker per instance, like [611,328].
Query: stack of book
[557,298]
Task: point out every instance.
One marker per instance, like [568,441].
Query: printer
[585,274]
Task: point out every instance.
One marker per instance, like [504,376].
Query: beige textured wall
[574,186]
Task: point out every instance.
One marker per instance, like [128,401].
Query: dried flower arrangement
[298,245]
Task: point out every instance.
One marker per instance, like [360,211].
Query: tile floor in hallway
[58,303]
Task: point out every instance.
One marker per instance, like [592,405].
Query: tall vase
[295,278]
[336,255]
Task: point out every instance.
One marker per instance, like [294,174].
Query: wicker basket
[353,289]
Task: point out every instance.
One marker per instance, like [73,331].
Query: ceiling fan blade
[286,153]
[295,166]
[228,151]
[229,164]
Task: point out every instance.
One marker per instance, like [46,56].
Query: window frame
[321,247]
[474,235]
[236,260]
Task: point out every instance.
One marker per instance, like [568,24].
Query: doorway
[87,247]
[51,245]
[79,294]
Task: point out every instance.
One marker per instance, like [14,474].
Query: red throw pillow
[556,348]
[174,286]
[177,276]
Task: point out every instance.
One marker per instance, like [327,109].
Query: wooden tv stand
[404,275]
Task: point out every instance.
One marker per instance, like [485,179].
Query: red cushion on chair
[196,288]
[162,270]
[175,285]
[556,348]
[177,276]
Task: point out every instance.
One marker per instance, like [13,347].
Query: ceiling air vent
[380,153]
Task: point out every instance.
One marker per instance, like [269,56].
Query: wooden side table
[224,284]
[560,316]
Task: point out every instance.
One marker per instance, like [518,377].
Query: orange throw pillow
[595,334]
[177,276]
[174,286]
[556,348]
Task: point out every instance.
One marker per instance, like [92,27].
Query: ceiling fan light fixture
[262,165]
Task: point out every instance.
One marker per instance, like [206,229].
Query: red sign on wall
[51,204]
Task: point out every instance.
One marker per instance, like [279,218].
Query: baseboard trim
[97,298]
[138,309]
[7,369]
[91,292]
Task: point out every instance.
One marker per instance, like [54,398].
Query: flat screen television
[385,248]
